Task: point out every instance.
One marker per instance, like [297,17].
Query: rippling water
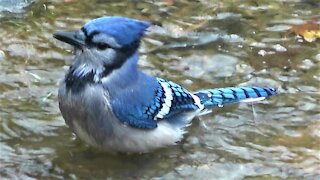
[203,44]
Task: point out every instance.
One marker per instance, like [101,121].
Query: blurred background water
[200,44]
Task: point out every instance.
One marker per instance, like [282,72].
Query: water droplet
[2,55]
[220,105]
[279,48]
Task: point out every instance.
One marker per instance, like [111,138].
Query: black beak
[73,38]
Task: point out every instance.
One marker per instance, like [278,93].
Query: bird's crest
[124,30]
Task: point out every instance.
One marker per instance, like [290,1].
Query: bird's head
[103,44]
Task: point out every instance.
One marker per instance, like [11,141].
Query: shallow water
[203,44]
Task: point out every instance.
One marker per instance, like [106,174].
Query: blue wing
[144,106]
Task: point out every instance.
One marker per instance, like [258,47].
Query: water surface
[199,44]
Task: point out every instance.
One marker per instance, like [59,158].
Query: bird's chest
[75,102]
[86,112]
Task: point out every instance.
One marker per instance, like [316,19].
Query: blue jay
[110,104]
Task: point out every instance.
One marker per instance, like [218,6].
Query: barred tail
[223,96]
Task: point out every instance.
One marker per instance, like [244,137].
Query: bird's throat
[78,77]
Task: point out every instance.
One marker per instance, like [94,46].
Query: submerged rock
[13,7]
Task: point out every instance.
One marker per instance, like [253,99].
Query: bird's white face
[95,56]
[96,53]
[102,49]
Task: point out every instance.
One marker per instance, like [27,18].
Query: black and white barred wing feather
[172,99]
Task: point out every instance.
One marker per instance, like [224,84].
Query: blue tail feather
[223,96]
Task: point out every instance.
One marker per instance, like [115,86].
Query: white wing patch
[251,100]
[197,101]
[167,101]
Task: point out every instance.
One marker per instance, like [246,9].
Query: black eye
[102,46]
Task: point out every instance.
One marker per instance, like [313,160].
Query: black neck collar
[76,83]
